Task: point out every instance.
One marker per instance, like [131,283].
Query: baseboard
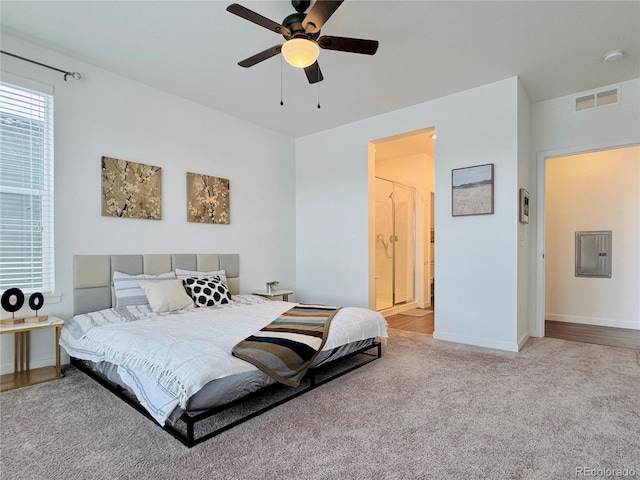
[599,322]
[522,341]
[477,341]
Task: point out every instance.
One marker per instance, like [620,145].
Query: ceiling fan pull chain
[318,88]
[281,102]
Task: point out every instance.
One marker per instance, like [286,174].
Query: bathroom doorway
[395,243]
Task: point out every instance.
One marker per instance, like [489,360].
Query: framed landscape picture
[207,199]
[472,190]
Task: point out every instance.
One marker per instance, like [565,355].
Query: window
[26,188]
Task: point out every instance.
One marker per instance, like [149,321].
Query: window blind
[26,189]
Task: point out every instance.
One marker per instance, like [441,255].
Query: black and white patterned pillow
[207,292]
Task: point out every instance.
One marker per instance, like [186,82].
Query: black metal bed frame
[190,420]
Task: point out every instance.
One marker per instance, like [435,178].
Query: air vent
[586,102]
[608,97]
[603,98]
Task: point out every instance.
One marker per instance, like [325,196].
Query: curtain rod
[74,75]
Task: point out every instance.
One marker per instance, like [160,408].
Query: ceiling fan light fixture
[300,52]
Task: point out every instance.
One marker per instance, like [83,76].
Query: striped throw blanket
[286,348]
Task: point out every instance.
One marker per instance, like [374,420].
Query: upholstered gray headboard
[93,274]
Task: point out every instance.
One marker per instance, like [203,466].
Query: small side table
[278,293]
[23,375]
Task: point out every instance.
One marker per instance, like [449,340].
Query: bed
[175,365]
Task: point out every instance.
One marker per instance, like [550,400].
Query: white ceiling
[407,144]
[427,50]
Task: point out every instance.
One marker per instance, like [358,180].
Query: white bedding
[166,358]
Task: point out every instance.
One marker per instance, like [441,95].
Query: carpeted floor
[426,410]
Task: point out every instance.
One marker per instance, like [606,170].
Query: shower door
[395,244]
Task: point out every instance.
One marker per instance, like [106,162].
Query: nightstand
[23,375]
[278,293]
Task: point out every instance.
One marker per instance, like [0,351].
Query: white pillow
[195,274]
[167,296]
[128,290]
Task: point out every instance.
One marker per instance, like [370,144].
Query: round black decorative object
[7,303]
[36,300]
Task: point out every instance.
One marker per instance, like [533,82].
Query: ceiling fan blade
[344,44]
[259,57]
[314,75]
[319,14]
[258,19]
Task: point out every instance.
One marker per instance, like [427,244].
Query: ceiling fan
[302,34]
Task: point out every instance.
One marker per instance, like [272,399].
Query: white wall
[105,114]
[556,130]
[524,181]
[555,125]
[476,265]
[594,191]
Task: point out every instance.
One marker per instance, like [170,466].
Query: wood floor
[613,337]
[412,324]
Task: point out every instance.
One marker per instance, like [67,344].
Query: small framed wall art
[472,190]
[524,206]
[131,190]
[207,199]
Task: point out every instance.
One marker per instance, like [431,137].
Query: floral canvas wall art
[131,190]
[207,199]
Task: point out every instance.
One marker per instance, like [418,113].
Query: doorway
[585,193]
[401,223]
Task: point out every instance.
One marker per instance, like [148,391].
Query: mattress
[181,361]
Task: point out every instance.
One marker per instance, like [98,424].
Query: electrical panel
[593,254]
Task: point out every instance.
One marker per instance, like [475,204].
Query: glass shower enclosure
[395,217]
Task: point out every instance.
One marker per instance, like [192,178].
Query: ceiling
[406,145]
[428,49]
